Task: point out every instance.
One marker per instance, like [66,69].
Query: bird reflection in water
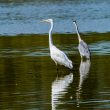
[83,70]
[59,89]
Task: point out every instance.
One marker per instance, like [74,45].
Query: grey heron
[83,47]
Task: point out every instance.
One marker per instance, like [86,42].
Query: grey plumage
[84,49]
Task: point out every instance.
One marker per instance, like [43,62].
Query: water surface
[24,16]
[29,79]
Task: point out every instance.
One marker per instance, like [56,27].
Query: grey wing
[83,49]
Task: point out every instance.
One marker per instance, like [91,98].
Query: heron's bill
[44,21]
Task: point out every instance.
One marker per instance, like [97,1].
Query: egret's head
[48,20]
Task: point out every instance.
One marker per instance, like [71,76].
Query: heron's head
[74,21]
[48,20]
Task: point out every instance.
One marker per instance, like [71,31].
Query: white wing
[60,57]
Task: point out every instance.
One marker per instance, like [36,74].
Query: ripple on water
[40,52]
[12,52]
[101,48]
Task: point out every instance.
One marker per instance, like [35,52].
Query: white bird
[83,47]
[58,56]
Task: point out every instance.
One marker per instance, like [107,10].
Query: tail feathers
[69,65]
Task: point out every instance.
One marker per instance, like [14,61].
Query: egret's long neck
[77,32]
[50,35]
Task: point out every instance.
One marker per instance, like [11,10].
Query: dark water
[28,77]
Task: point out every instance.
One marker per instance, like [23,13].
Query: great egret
[58,56]
[83,47]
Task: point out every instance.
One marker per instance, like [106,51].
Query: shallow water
[29,79]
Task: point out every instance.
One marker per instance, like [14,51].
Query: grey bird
[83,47]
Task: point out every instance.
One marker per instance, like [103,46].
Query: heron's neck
[77,30]
[50,35]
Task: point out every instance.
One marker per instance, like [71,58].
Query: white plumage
[58,56]
[83,47]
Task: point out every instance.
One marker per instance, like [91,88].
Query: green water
[29,79]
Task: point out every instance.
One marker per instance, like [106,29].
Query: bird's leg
[56,65]
[70,70]
[89,58]
[57,76]
[62,71]
[57,71]
[81,57]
